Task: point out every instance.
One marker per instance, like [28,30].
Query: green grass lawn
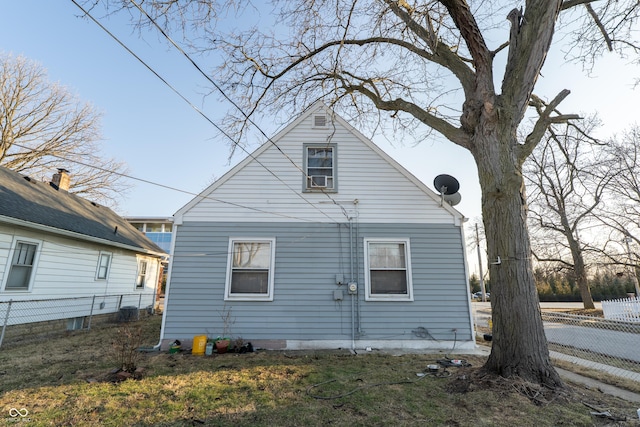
[69,381]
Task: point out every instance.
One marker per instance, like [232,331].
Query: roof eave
[79,236]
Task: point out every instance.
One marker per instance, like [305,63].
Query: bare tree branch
[43,127]
[544,120]
[567,195]
[603,30]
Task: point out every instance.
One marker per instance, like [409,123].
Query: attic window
[320,121]
[320,167]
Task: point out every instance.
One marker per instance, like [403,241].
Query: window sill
[390,298]
[248,298]
[320,190]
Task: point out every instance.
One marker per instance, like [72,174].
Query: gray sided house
[56,245]
[320,240]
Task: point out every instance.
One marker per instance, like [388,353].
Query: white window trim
[367,281]
[110,254]
[146,275]
[250,297]
[36,258]
[334,169]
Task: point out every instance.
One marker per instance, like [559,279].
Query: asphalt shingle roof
[42,203]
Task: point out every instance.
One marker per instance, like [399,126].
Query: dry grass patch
[66,382]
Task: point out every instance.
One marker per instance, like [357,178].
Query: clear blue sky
[163,140]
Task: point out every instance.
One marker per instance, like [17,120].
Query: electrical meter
[353,288]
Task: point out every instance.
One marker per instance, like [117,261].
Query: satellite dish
[448,188]
[446,184]
[452,199]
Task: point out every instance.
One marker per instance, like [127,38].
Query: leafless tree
[626,192]
[44,127]
[567,178]
[622,211]
[424,66]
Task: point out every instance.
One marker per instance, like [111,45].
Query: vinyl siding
[5,246]
[253,193]
[308,258]
[67,268]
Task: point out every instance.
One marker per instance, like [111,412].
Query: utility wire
[53,248]
[246,116]
[168,187]
[236,143]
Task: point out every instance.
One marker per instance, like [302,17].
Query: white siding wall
[5,246]
[67,268]
[384,194]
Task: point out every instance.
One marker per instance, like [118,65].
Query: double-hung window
[250,269]
[104,262]
[141,279]
[388,270]
[21,266]
[320,167]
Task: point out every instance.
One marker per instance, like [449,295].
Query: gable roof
[273,141]
[41,205]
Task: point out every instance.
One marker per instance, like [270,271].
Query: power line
[246,116]
[236,143]
[169,187]
[53,247]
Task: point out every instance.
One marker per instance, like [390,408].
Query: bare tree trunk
[519,346]
[581,275]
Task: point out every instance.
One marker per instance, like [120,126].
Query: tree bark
[580,271]
[519,345]
[583,285]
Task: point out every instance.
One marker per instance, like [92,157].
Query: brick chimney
[61,180]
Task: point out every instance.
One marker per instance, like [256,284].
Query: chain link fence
[593,342]
[606,345]
[28,320]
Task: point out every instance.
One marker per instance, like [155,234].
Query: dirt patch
[602,408]
[595,312]
[472,379]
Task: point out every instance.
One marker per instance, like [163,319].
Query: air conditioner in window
[318,181]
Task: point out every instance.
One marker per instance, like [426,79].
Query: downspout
[357,263]
[172,251]
[354,275]
[472,322]
[353,296]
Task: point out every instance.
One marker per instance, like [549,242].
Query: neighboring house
[160,231]
[54,244]
[157,229]
[319,239]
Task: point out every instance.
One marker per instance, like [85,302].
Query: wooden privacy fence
[626,309]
